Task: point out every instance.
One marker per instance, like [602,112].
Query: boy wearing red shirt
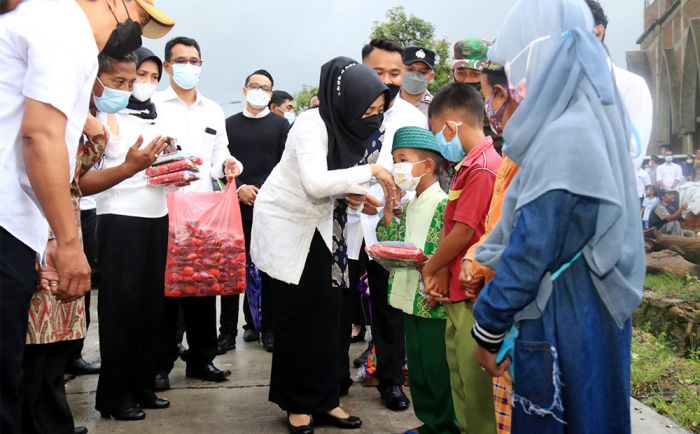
[456,116]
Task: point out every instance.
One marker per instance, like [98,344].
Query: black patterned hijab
[347,88]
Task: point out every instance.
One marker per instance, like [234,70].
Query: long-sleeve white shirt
[189,125]
[298,198]
[637,98]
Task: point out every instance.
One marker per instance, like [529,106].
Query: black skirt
[304,376]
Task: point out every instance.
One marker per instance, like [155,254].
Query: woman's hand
[355,201]
[386,180]
[231,169]
[138,159]
[487,362]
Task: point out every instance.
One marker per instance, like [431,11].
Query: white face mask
[290,116]
[257,98]
[143,91]
[403,176]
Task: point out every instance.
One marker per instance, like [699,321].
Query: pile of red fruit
[203,262]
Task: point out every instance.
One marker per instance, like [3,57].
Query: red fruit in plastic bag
[206,246]
[175,278]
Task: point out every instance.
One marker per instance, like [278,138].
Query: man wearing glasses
[257,136]
[198,124]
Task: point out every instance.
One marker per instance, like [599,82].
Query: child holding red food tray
[418,163]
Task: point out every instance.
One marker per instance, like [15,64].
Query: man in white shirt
[643,180]
[198,124]
[633,90]
[669,175]
[49,51]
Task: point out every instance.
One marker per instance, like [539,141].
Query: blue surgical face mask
[290,116]
[452,150]
[186,76]
[112,100]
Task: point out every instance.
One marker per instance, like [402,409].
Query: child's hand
[471,283]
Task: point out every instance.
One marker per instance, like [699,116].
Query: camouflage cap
[471,53]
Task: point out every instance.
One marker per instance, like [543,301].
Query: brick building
[669,60]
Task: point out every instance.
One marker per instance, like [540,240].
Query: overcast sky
[292,39]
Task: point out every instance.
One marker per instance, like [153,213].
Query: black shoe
[304,429]
[251,335]
[81,367]
[80,430]
[162,382]
[155,404]
[208,372]
[224,343]
[362,358]
[394,398]
[268,341]
[134,413]
[351,422]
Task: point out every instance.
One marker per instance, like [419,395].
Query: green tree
[302,98]
[410,30]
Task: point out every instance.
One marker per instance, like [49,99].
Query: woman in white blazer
[292,238]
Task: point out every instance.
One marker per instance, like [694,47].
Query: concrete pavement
[240,405]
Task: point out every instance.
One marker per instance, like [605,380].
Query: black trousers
[199,315]
[46,409]
[88,225]
[387,328]
[132,254]
[17,277]
[352,303]
[304,376]
[228,319]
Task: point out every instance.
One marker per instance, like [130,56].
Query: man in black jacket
[257,137]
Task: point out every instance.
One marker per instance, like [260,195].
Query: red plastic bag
[206,246]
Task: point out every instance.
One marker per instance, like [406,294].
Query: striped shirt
[468,203]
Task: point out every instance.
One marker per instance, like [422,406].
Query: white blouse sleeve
[311,147]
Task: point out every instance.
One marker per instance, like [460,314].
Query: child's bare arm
[450,247]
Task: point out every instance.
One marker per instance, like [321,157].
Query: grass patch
[670,286]
[665,381]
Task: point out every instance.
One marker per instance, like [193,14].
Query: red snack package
[173,178]
[395,255]
[175,166]
[206,248]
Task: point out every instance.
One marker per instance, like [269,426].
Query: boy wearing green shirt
[417,167]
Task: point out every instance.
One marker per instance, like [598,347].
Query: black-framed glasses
[182,61]
[256,86]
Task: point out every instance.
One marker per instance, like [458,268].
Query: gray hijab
[571,133]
